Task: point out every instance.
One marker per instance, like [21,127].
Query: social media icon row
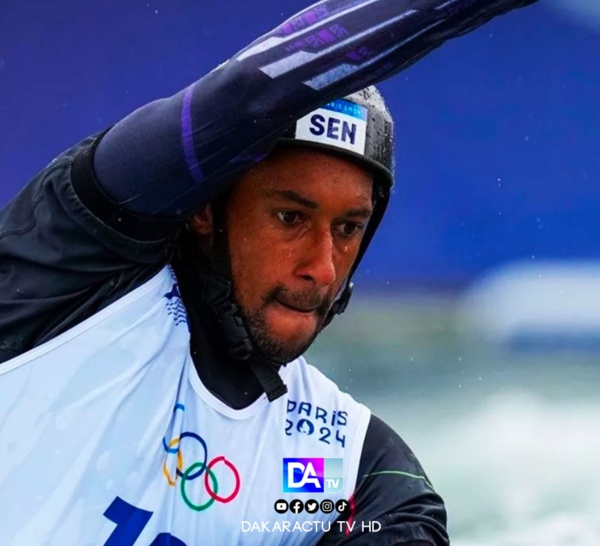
[311,506]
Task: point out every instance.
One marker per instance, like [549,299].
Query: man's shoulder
[380,433]
[318,408]
[312,379]
[383,445]
[63,263]
[68,156]
[58,171]
[391,487]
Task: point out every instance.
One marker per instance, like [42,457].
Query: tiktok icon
[341,506]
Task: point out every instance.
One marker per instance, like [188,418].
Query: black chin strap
[340,304]
[269,378]
[216,292]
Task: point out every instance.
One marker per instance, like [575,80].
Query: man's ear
[202,222]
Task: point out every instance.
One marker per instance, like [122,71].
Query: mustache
[318,302]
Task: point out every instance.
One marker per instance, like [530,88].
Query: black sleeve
[59,263]
[176,154]
[393,491]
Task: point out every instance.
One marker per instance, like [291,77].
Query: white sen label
[340,123]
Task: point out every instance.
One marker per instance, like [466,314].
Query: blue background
[498,131]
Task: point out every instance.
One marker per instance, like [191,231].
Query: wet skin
[294,223]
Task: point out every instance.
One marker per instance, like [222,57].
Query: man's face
[294,224]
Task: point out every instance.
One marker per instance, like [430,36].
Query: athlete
[160,282]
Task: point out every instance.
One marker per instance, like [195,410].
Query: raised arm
[175,154]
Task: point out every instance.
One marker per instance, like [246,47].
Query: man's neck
[230,380]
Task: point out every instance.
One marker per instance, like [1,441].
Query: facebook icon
[296,506]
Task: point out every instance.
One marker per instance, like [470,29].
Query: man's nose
[318,260]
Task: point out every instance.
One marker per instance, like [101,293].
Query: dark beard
[266,344]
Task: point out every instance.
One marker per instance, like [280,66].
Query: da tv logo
[313,475]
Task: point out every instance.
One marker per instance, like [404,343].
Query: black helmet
[358,127]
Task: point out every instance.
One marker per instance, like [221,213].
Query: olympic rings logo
[197,470]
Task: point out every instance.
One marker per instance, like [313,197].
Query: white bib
[108,438]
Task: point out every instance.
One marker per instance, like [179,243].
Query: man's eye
[289,217]
[348,229]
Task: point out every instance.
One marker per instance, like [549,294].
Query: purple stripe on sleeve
[187,136]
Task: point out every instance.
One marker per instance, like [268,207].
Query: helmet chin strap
[217,292]
[340,304]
